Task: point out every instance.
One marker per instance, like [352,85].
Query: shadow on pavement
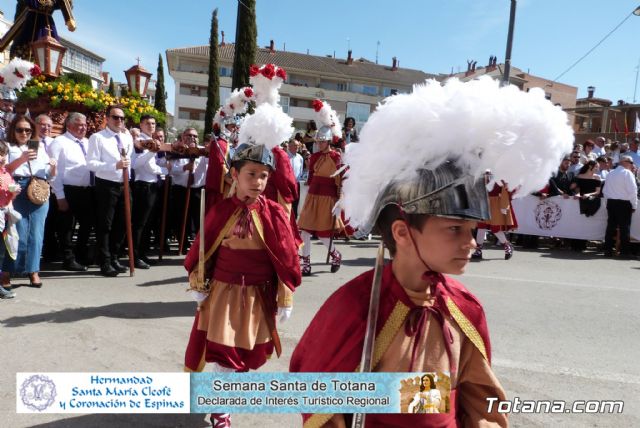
[362,261]
[138,310]
[98,421]
[177,280]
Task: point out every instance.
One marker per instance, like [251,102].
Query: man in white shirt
[106,160]
[633,151]
[52,241]
[145,190]
[575,165]
[621,192]
[598,148]
[297,164]
[73,191]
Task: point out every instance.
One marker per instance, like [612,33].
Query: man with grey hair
[621,192]
[73,189]
[598,148]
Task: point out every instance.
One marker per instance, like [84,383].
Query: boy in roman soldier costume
[502,218]
[424,197]
[227,119]
[318,214]
[250,261]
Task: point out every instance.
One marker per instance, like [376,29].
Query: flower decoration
[35,70]
[317,105]
[253,70]
[268,71]
[248,92]
[281,73]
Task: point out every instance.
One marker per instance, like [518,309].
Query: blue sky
[432,35]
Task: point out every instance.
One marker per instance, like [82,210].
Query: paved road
[563,327]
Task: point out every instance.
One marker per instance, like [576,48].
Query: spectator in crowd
[621,192]
[309,137]
[349,131]
[145,189]
[598,148]
[615,152]
[586,186]
[73,189]
[575,165]
[155,219]
[7,102]
[587,151]
[297,164]
[105,159]
[633,151]
[560,183]
[52,241]
[8,191]
[24,163]
[604,166]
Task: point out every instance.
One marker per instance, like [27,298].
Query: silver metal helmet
[254,153]
[324,134]
[445,191]
[8,94]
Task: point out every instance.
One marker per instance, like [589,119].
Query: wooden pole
[185,216]
[163,221]
[127,213]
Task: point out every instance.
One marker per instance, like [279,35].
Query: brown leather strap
[269,317]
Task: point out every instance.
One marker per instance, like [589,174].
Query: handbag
[38,189]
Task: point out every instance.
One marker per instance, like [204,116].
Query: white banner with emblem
[561,218]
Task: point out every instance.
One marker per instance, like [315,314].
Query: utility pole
[507,57]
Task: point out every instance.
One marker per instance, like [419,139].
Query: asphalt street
[564,326]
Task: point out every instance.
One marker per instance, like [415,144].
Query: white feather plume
[268,125]
[327,116]
[519,136]
[13,71]
[265,89]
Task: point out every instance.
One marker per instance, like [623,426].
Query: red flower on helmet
[18,74]
[35,71]
[335,139]
[222,114]
[231,106]
[268,71]
[1,79]
[253,70]
[248,92]
[317,105]
[281,73]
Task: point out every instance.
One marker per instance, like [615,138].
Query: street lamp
[138,79]
[507,56]
[636,11]
[48,53]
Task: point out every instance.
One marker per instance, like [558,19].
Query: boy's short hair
[388,215]
[239,164]
[4,149]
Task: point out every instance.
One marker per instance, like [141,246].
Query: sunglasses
[117,117]
[24,130]
[191,136]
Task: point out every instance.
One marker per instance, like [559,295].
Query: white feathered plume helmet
[16,75]
[268,126]
[327,121]
[234,106]
[450,135]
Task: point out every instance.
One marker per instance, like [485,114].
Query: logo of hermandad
[548,214]
[38,392]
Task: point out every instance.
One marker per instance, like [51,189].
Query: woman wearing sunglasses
[23,163]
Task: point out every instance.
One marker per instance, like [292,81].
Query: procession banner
[559,217]
[232,392]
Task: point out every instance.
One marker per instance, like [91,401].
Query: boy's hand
[284,313]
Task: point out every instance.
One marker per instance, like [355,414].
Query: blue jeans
[30,233]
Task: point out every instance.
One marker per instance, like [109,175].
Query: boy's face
[251,179]
[445,244]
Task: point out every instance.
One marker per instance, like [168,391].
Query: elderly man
[598,148]
[621,192]
[106,160]
[73,189]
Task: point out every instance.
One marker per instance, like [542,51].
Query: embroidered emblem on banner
[548,214]
[38,392]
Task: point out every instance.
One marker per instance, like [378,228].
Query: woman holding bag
[25,162]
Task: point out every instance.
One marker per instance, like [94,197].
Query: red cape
[216,170]
[278,238]
[334,339]
[282,181]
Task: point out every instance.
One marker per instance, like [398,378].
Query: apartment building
[352,86]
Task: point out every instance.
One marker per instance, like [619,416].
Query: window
[299,102]
[386,92]
[333,86]
[284,102]
[225,71]
[364,89]
[190,113]
[360,112]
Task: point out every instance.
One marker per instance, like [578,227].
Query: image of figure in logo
[38,392]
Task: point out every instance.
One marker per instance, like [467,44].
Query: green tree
[213,88]
[246,40]
[112,88]
[160,103]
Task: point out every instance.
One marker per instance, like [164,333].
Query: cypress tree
[112,88]
[246,40]
[213,88]
[160,103]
